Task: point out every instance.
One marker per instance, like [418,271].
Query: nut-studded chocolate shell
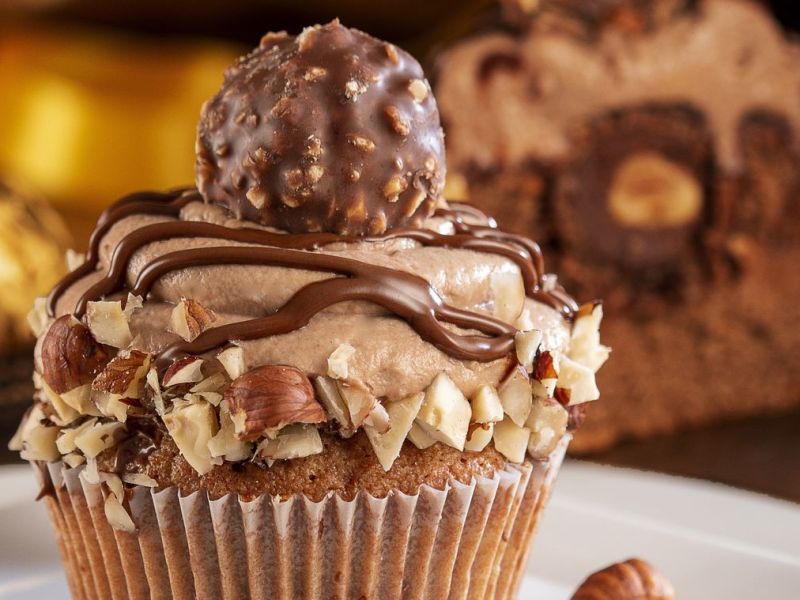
[331,130]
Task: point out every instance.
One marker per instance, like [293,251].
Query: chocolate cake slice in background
[652,147]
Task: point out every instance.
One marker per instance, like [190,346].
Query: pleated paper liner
[466,542]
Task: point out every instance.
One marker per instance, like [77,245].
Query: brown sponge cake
[650,147]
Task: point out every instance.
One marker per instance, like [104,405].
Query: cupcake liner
[467,541]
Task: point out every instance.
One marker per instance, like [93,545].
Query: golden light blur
[88,117]
[33,239]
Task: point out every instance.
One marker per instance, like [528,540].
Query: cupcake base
[461,542]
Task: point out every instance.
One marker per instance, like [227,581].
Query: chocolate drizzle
[405,295]
[154,203]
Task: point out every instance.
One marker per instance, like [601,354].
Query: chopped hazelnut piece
[189,319]
[516,395]
[66,440]
[419,438]
[378,419]
[332,400]
[132,304]
[97,438]
[398,123]
[353,89]
[584,345]
[34,440]
[184,370]
[108,323]
[38,318]
[225,444]
[111,405]
[155,387]
[73,460]
[294,441]
[401,415]
[479,436]
[511,440]
[486,405]
[362,143]
[64,414]
[124,374]
[69,356]
[192,427]
[359,402]
[394,187]
[213,383]
[315,73]
[527,345]
[80,399]
[270,397]
[73,259]
[547,423]
[232,360]
[508,291]
[117,516]
[139,479]
[545,374]
[391,53]
[578,380]
[445,413]
[338,360]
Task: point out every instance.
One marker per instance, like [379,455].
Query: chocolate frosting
[403,294]
[331,130]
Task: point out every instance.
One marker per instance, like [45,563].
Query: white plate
[712,541]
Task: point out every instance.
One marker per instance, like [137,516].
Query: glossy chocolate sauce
[407,296]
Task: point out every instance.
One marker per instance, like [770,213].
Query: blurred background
[100,98]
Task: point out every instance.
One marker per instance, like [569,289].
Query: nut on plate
[633,579]
[270,397]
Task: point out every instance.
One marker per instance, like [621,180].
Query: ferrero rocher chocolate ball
[331,130]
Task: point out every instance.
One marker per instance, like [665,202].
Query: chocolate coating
[331,130]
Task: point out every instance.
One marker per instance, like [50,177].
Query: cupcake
[310,376]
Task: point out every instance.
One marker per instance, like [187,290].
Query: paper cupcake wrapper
[464,542]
